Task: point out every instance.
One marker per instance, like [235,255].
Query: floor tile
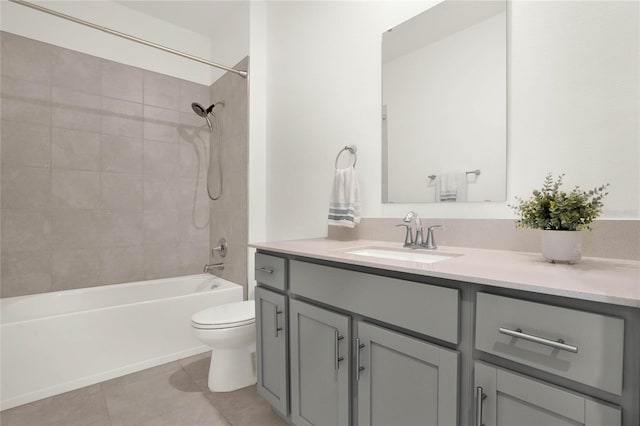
[245,407]
[172,394]
[81,407]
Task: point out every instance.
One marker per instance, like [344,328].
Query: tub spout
[208,268]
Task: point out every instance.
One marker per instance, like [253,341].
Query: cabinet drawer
[423,308]
[271,271]
[523,331]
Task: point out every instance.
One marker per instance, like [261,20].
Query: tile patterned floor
[173,394]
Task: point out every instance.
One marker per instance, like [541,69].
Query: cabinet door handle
[556,344]
[276,312]
[359,347]
[264,269]
[338,358]
[480,397]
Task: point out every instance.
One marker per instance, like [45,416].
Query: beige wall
[228,214]
[102,171]
[608,238]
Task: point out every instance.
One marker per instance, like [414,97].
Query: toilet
[230,331]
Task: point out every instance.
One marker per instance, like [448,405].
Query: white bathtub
[56,342]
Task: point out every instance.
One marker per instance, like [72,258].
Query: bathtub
[56,342]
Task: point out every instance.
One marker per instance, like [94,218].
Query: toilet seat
[229,315]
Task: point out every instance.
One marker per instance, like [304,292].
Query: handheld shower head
[202,112]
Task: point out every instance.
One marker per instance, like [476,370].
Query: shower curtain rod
[241,73]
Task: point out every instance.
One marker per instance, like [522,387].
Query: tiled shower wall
[228,214]
[103,171]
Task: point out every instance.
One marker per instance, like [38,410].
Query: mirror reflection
[444,105]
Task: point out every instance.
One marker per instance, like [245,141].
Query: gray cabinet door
[513,399]
[404,381]
[271,348]
[320,354]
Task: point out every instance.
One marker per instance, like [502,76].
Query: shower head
[202,112]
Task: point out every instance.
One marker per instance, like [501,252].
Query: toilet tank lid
[228,313]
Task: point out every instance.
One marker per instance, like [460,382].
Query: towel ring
[352,149]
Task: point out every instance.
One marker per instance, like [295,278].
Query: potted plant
[560,215]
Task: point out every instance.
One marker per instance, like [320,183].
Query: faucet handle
[431,242]
[408,238]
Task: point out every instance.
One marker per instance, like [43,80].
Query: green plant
[551,208]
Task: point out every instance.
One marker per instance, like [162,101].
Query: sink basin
[407,255]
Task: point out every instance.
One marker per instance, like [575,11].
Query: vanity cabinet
[504,398]
[271,348]
[320,365]
[402,380]
[342,344]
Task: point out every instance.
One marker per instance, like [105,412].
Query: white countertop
[611,281]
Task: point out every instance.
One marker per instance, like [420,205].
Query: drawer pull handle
[359,347]
[267,270]
[276,312]
[480,397]
[338,358]
[556,344]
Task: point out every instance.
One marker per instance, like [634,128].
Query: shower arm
[241,73]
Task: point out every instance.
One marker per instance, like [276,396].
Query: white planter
[562,246]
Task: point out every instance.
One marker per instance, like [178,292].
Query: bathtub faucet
[211,266]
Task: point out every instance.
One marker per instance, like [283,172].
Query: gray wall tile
[122,118]
[75,268]
[160,193]
[121,154]
[160,261]
[161,124]
[121,191]
[161,159]
[194,158]
[121,264]
[25,272]
[122,81]
[228,215]
[75,149]
[25,144]
[26,188]
[25,58]
[74,228]
[25,230]
[120,228]
[193,258]
[104,168]
[161,227]
[25,101]
[161,90]
[77,71]
[75,110]
[192,92]
[75,189]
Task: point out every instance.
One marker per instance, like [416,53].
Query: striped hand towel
[344,208]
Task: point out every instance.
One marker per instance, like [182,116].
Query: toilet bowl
[230,331]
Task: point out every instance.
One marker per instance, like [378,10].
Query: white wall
[573,105]
[37,25]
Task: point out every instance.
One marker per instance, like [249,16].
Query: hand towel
[344,207]
[453,187]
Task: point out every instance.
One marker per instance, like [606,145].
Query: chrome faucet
[413,218]
[208,268]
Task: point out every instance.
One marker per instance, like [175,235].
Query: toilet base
[231,369]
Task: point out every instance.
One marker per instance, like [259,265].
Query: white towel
[453,187]
[344,207]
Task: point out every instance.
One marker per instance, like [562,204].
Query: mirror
[444,105]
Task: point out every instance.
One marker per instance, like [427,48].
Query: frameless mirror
[444,105]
